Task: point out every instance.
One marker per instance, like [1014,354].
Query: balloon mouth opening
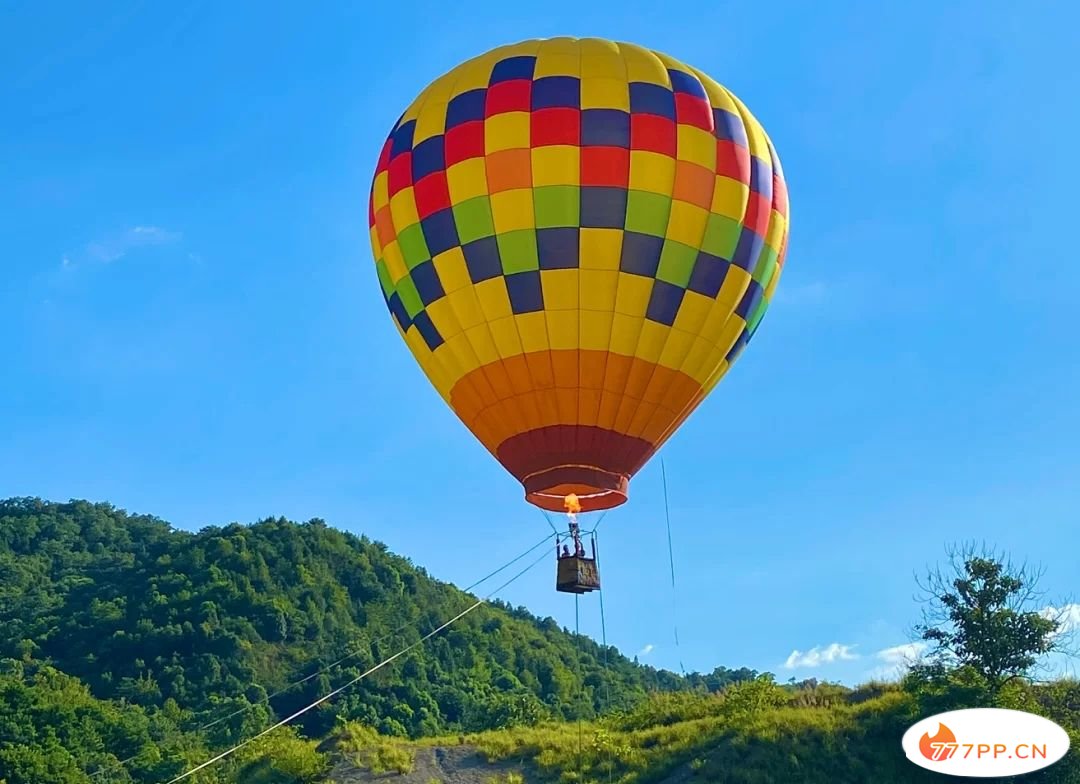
[595,488]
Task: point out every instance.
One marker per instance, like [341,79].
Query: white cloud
[897,660]
[816,657]
[1068,616]
[902,654]
[646,650]
[115,247]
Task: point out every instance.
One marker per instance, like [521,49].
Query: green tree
[982,614]
[749,698]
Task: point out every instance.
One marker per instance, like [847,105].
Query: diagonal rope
[350,655]
[671,561]
[321,700]
[355,680]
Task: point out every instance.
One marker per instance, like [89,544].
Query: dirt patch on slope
[442,764]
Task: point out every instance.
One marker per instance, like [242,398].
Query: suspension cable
[599,520]
[547,517]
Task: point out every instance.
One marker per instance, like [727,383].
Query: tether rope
[354,681]
[352,654]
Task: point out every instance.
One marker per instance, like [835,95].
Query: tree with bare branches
[985,615]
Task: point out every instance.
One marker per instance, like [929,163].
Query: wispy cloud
[646,650]
[114,247]
[813,293]
[816,657]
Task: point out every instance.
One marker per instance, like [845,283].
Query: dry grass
[365,748]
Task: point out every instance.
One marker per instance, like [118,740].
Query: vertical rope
[581,676]
[671,562]
[607,672]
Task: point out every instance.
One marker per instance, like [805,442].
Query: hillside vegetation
[760,733]
[131,652]
[145,631]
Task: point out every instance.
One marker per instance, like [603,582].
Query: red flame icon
[940,747]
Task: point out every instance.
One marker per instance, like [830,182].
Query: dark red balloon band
[592,462]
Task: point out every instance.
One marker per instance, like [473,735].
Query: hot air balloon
[576,239]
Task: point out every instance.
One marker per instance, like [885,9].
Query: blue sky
[190,323]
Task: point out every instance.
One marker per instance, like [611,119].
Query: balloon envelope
[576,239]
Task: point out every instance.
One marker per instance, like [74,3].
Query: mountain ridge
[145,612]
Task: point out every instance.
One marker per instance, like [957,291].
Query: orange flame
[935,748]
[573,506]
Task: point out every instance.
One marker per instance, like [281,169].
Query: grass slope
[751,733]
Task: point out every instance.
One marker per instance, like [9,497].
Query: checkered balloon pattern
[577,238]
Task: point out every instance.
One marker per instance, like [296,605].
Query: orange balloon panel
[576,238]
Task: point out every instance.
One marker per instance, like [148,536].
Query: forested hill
[204,624]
